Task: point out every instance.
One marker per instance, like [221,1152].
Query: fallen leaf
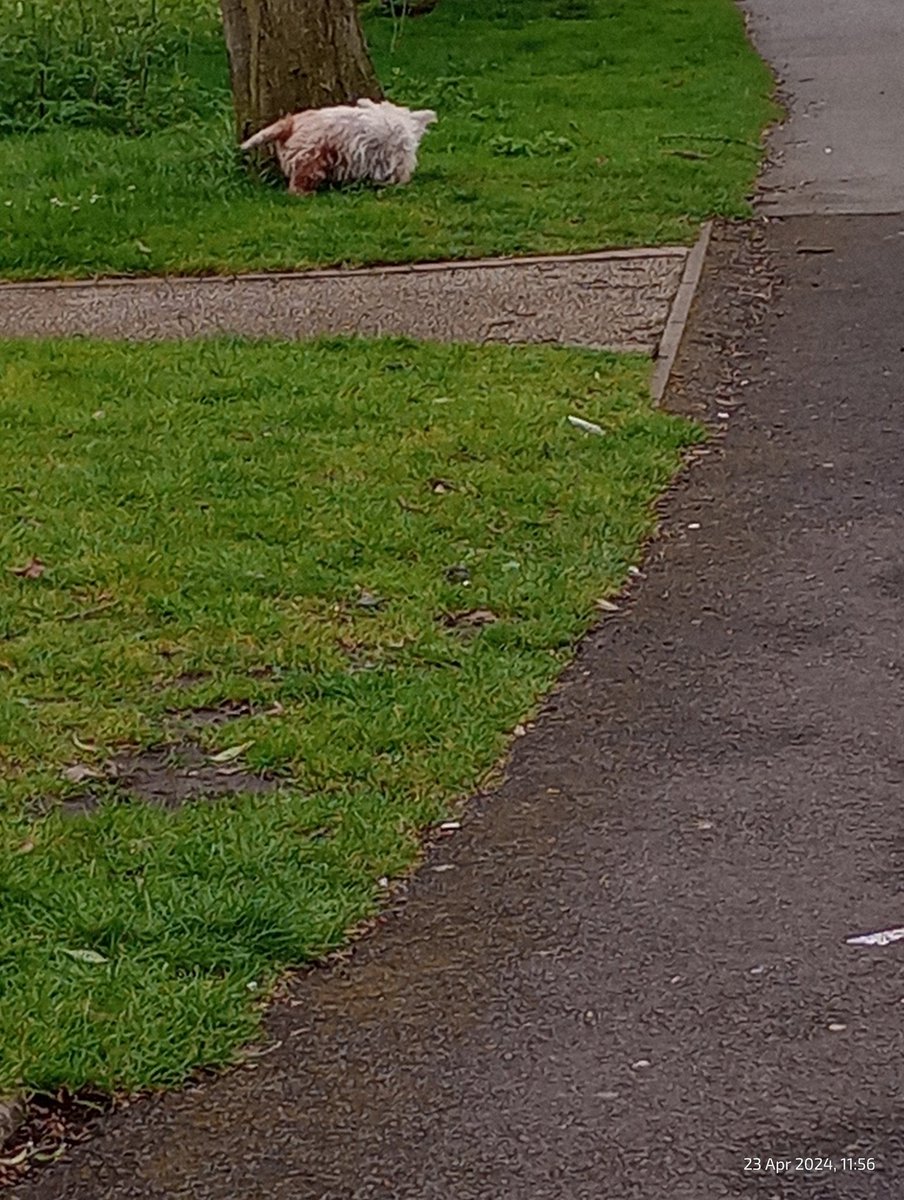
[16,1160]
[79,773]
[473,618]
[33,569]
[26,847]
[231,754]
[87,956]
[607,606]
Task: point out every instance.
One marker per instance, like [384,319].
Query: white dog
[370,142]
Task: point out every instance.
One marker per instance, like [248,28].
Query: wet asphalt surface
[633,976]
[842,64]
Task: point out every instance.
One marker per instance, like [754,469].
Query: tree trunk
[286,55]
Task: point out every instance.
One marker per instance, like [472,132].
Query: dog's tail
[279,131]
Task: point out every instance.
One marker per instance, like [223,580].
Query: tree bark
[286,55]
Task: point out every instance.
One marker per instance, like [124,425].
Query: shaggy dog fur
[370,142]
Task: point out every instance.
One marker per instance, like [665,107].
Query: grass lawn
[565,125]
[273,553]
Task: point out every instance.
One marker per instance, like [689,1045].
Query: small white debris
[837,1027]
[704,825]
[640,1064]
[519,731]
[587,426]
[828,149]
[445,867]
[86,956]
[884,937]
[383,882]
[635,571]
[607,606]
[694,525]
[723,416]
[450,825]
[252,986]
[757,970]
[675,979]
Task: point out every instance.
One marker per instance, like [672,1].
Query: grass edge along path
[350,567]
[564,127]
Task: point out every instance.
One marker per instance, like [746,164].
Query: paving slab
[614,300]
[841,66]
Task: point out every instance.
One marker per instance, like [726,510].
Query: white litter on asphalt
[884,937]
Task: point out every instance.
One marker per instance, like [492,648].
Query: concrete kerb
[679,314]
[415,268]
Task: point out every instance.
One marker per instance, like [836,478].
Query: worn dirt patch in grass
[175,774]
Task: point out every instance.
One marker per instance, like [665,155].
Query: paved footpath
[634,978]
[609,300]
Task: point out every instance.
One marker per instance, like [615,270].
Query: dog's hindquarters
[279,131]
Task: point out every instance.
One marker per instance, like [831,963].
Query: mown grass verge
[348,567]
[565,125]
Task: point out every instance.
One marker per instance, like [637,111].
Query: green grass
[615,122]
[207,515]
